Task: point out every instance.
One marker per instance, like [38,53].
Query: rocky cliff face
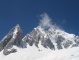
[14,37]
[52,38]
[36,36]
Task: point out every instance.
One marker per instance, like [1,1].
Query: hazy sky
[64,13]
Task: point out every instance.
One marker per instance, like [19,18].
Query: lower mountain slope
[32,53]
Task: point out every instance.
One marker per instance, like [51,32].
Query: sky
[26,13]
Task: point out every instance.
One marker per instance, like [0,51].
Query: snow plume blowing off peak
[46,23]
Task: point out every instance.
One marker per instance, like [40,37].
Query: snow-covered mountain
[39,44]
[53,38]
[45,42]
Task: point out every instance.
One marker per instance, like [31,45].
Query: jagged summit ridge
[53,38]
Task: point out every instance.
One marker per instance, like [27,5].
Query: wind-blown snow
[45,21]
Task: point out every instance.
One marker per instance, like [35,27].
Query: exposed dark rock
[7,51]
[14,37]
[35,37]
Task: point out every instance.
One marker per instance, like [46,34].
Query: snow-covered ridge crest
[46,22]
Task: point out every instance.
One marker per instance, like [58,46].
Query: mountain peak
[18,26]
[14,37]
[53,38]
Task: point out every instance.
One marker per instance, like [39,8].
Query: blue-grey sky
[65,13]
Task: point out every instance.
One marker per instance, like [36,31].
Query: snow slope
[32,53]
[64,54]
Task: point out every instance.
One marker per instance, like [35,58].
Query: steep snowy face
[14,37]
[36,37]
[53,38]
[62,39]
